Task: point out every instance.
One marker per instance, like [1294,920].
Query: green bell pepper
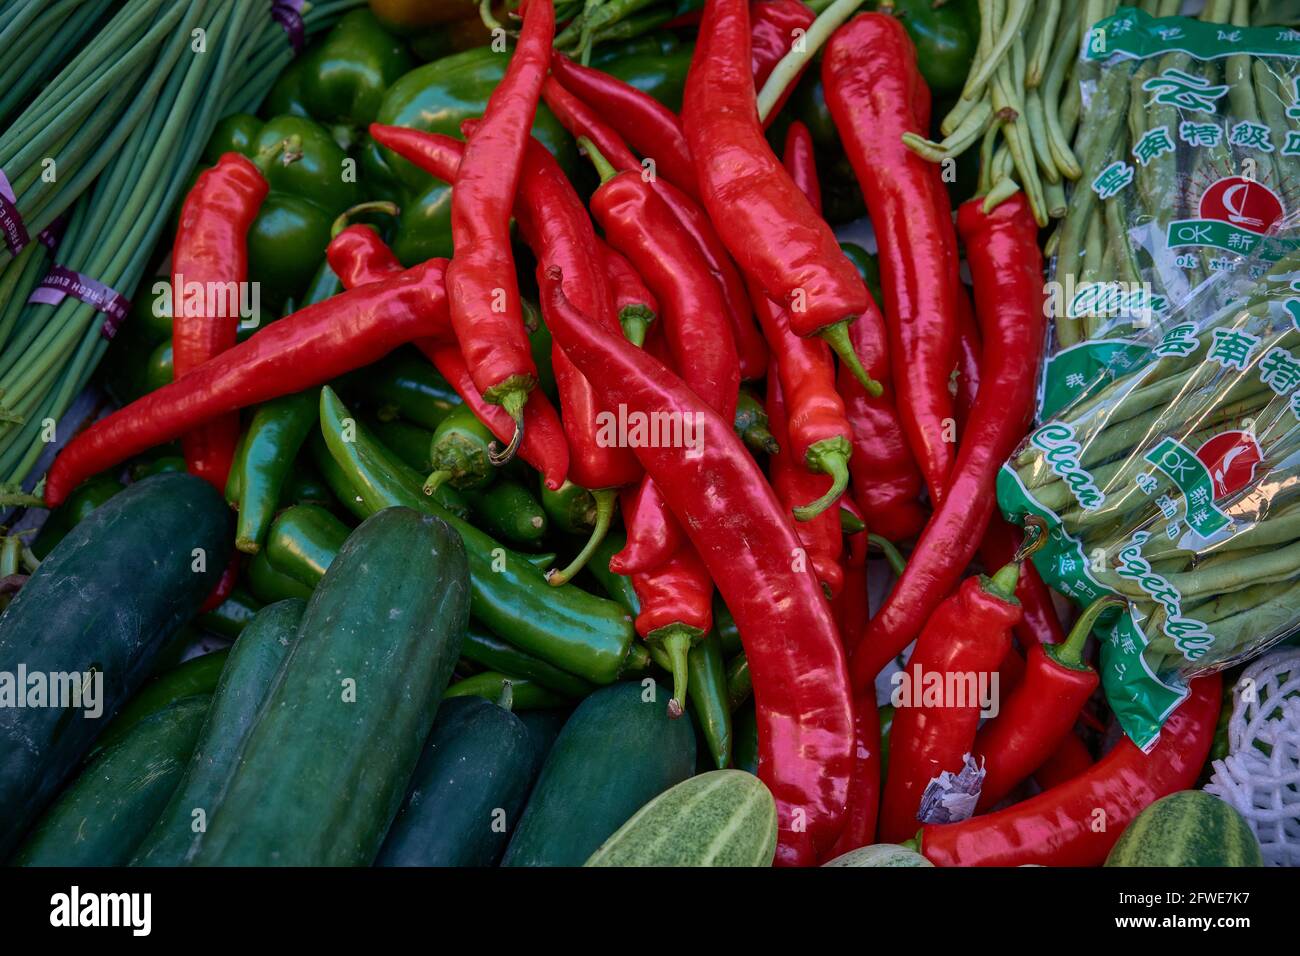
[345,76]
[945,44]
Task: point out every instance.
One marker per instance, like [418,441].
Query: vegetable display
[649,433]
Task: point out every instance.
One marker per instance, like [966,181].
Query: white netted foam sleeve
[1261,774]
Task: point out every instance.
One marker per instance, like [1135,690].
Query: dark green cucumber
[195,677]
[102,816]
[106,599]
[254,661]
[467,791]
[617,752]
[326,765]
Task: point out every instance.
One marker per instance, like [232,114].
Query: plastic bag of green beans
[1175,483]
[1189,147]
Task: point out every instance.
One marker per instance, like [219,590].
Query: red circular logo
[1230,459]
[1243,203]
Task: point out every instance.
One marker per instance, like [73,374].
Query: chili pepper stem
[676,641]
[1069,653]
[436,480]
[604,168]
[606,498]
[892,555]
[345,218]
[635,320]
[506,700]
[511,395]
[1003,584]
[831,457]
[837,336]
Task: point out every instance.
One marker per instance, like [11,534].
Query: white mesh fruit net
[1261,775]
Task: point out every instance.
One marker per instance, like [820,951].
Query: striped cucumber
[719,818]
[1188,828]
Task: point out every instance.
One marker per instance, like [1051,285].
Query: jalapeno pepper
[510,511]
[406,385]
[460,453]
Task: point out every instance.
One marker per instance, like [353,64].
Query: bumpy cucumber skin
[467,790]
[719,818]
[326,766]
[1188,828]
[108,597]
[102,816]
[250,670]
[618,751]
[880,854]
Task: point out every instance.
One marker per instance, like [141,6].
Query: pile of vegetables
[562,434]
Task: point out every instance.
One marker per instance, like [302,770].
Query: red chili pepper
[850,606]
[773,30]
[820,436]
[676,612]
[1070,759]
[966,374]
[359,256]
[634,302]
[1002,249]
[768,226]
[641,226]
[1039,713]
[225,584]
[652,128]
[581,121]
[211,251]
[481,286]
[653,534]
[805,717]
[821,536]
[869,73]
[1059,827]
[964,641]
[303,350]
[864,784]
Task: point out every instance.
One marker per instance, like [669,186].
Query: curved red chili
[864,784]
[633,301]
[653,534]
[302,350]
[358,256]
[870,77]
[966,637]
[485,308]
[772,33]
[770,229]
[1059,826]
[676,612]
[805,717]
[1070,759]
[211,252]
[1006,264]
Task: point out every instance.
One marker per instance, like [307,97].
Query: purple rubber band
[288,13]
[60,283]
[52,235]
[11,221]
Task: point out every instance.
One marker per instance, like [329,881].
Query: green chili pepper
[739,684]
[196,676]
[460,453]
[867,267]
[707,695]
[539,340]
[745,752]
[269,584]
[486,649]
[411,443]
[303,541]
[617,586]
[580,633]
[85,498]
[725,625]
[571,508]
[270,445]
[304,167]
[305,487]
[346,75]
[509,511]
[522,693]
[229,617]
[159,369]
[406,385]
[751,424]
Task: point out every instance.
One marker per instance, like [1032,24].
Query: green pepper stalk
[605,499]
[751,424]
[460,453]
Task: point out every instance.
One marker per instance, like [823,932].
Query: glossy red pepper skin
[745,540]
[211,251]
[871,81]
[795,485]
[1058,827]
[358,256]
[773,26]
[1070,759]
[641,226]
[580,120]
[850,606]
[768,225]
[302,350]
[631,295]
[650,127]
[1002,249]
[968,634]
[679,592]
[485,308]
[864,784]
[653,534]
[966,374]
[1033,720]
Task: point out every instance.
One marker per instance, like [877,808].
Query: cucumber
[326,765]
[250,670]
[1188,828]
[106,599]
[618,751]
[467,791]
[719,818]
[195,677]
[105,812]
[880,854]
